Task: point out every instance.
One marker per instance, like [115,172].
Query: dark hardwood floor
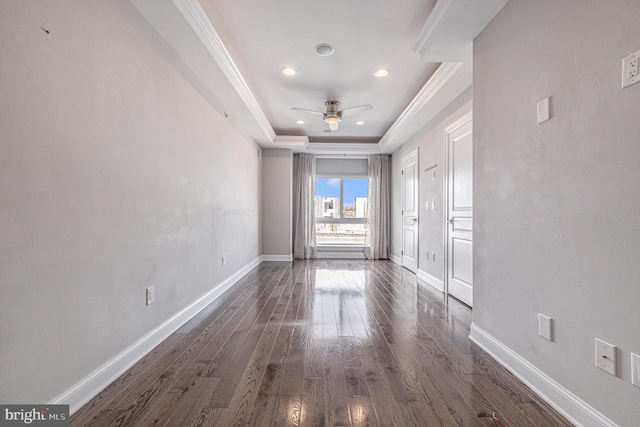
[321,343]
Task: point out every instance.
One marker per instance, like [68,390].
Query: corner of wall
[98,380]
[564,401]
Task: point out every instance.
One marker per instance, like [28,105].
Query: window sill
[340,251]
[338,247]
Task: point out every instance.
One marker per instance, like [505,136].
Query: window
[341,210]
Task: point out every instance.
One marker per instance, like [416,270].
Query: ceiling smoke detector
[324,49]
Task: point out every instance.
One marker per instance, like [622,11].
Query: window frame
[341,219]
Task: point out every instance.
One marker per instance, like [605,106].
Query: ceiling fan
[334,115]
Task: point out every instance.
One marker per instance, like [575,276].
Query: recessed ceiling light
[359,122]
[381,73]
[300,122]
[324,49]
[288,71]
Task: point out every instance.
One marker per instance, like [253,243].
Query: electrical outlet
[631,69]
[224,260]
[606,356]
[635,370]
[433,205]
[151,295]
[433,256]
[427,255]
[544,326]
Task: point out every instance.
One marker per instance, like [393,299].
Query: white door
[459,141]
[410,179]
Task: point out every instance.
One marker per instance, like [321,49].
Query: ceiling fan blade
[333,126]
[308,111]
[355,110]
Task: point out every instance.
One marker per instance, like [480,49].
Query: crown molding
[291,141]
[205,62]
[199,21]
[341,148]
[437,81]
[434,25]
[451,27]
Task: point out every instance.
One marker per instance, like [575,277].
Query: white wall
[557,229]
[430,143]
[277,203]
[115,174]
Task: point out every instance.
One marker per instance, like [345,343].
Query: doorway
[459,210]
[410,180]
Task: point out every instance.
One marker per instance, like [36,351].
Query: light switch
[543,110]
[606,356]
[544,326]
[635,370]
[151,295]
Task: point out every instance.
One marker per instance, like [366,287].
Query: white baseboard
[396,259]
[431,280]
[568,404]
[284,258]
[96,381]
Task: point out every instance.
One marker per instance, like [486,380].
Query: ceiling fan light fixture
[333,114]
[381,72]
[300,122]
[289,71]
[324,49]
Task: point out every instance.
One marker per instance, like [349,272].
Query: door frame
[466,118]
[415,152]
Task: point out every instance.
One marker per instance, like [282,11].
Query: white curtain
[378,233]
[304,218]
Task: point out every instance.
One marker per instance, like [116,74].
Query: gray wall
[115,174]
[430,143]
[556,205]
[277,202]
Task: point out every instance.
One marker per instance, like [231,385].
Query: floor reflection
[322,342]
[339,303]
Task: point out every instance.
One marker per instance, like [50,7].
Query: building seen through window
[340,210]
